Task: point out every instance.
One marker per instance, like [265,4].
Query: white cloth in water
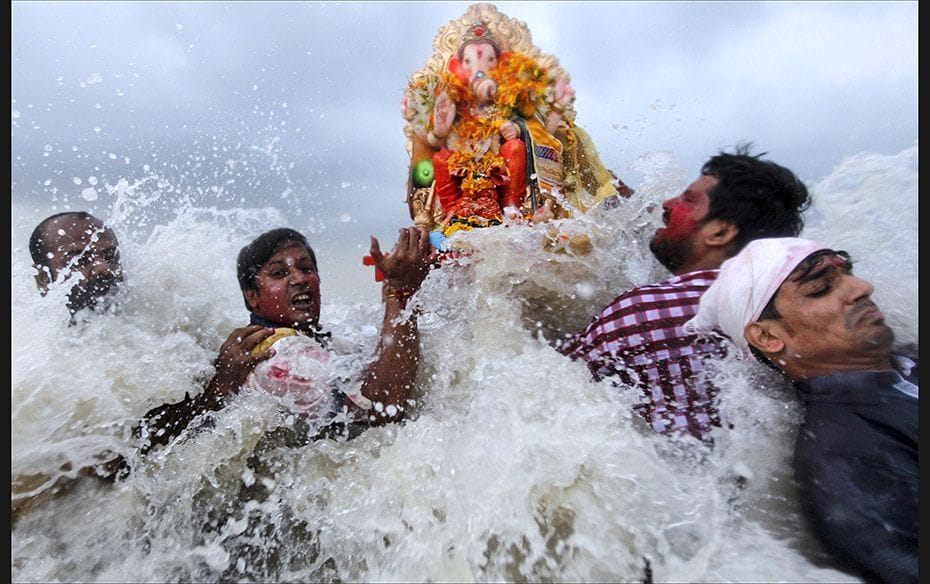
[746,283]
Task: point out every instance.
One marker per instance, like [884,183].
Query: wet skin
[682,217]
[829,313]
[83,250]
[287,289]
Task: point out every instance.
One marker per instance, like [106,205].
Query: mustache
[855,314]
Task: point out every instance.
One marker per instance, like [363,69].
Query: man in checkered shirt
[637,340]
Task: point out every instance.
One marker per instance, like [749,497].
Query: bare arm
[233,365]
[388,379]
[30,490]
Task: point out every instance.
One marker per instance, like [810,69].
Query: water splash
[512,464]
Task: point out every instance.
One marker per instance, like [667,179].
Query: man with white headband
[795,304]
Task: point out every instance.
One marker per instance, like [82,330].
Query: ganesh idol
[491,132]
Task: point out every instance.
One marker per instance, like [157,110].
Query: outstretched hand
[405,109]
[408,263]
[545,213]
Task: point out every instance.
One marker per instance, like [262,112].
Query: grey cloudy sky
[296,105]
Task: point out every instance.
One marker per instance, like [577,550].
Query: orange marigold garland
[522,86]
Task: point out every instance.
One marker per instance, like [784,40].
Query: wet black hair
[256,254]
[761,198]
[37,241]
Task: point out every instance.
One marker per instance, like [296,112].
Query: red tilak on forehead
[480,52]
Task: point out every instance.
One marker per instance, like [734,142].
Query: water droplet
[585,290]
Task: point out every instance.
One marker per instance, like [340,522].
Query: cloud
[303,97]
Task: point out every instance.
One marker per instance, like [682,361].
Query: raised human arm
[388,379]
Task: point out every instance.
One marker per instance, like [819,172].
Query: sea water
[511,464]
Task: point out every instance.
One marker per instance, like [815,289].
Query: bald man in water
[78,247]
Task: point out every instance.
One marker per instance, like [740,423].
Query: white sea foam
[511,465]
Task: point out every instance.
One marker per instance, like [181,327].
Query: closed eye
[822,292]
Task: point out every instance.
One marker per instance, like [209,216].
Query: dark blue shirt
[855,463]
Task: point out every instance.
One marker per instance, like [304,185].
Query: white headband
[746,283]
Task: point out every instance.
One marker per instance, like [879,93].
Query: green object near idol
[423,173]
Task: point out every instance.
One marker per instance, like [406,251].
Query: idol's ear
[455,67]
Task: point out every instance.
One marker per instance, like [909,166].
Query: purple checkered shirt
[638,339]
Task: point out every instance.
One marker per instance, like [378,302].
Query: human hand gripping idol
[284,352]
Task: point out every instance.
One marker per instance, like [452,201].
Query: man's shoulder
[845,409]
[829,431]
[691,284]
[699,278]
[681,290]
[855,387]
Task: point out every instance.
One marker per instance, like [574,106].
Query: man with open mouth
[284,351]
